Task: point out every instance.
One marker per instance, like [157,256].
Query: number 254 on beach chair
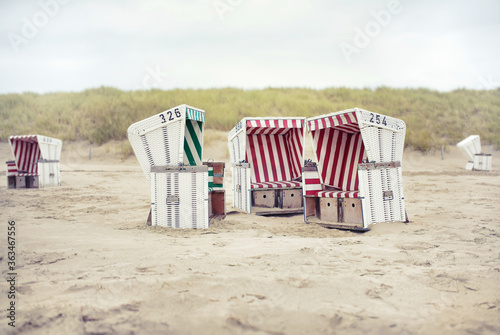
[36,162]
[169,149]
[266,159]
[357,181]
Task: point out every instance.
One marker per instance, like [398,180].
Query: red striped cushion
[277,184]
[337,194]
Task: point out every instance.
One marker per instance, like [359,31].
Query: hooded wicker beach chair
[357,180]
[266,159]
[36,162]
[471,149]
[169,149]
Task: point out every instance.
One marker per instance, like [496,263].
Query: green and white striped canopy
[193,114]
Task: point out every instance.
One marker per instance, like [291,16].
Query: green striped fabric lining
[193,139]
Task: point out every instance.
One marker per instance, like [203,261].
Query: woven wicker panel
[376,207]
[242,189]
[179,200]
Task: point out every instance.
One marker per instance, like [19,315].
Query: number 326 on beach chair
[357,181]
[169,149]
[266,159]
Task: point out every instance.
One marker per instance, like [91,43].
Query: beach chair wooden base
[217,204]
[11,182]
[265,198]
[276,201]
[341,213]
[20,182]
[291,198]
[32,182]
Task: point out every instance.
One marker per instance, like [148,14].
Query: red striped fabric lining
[338,154]
[277,184]
[274,154]
[337,194]
[26,153]
[11,168]
[312,183]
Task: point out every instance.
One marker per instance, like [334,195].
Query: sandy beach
[86,262]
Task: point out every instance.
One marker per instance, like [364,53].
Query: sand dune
[88,264]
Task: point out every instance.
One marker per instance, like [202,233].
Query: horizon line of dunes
[103,114]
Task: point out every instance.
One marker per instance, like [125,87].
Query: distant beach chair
[357,180]
[36,162]
[471,150]
[169,149]
[266,159]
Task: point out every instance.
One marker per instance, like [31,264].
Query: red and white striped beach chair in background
[471,149]
[36,162]
[169,148]
[267,156]
[357,181]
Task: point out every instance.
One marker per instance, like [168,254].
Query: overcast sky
[72,45]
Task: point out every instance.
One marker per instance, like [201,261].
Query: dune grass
[103,114]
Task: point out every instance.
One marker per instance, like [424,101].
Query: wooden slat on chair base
[276,211]
[217,204]
[353,226]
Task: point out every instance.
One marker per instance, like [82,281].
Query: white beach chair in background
[266,160]
[471,149]
[36,162]
[169,149]
[357,181]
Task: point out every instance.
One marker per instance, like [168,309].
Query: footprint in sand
[448,283]
[416,246]
[380,292]
[446,255]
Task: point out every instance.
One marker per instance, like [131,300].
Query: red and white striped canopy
[26,152]
[274,149]
[272,127]
[346,122]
